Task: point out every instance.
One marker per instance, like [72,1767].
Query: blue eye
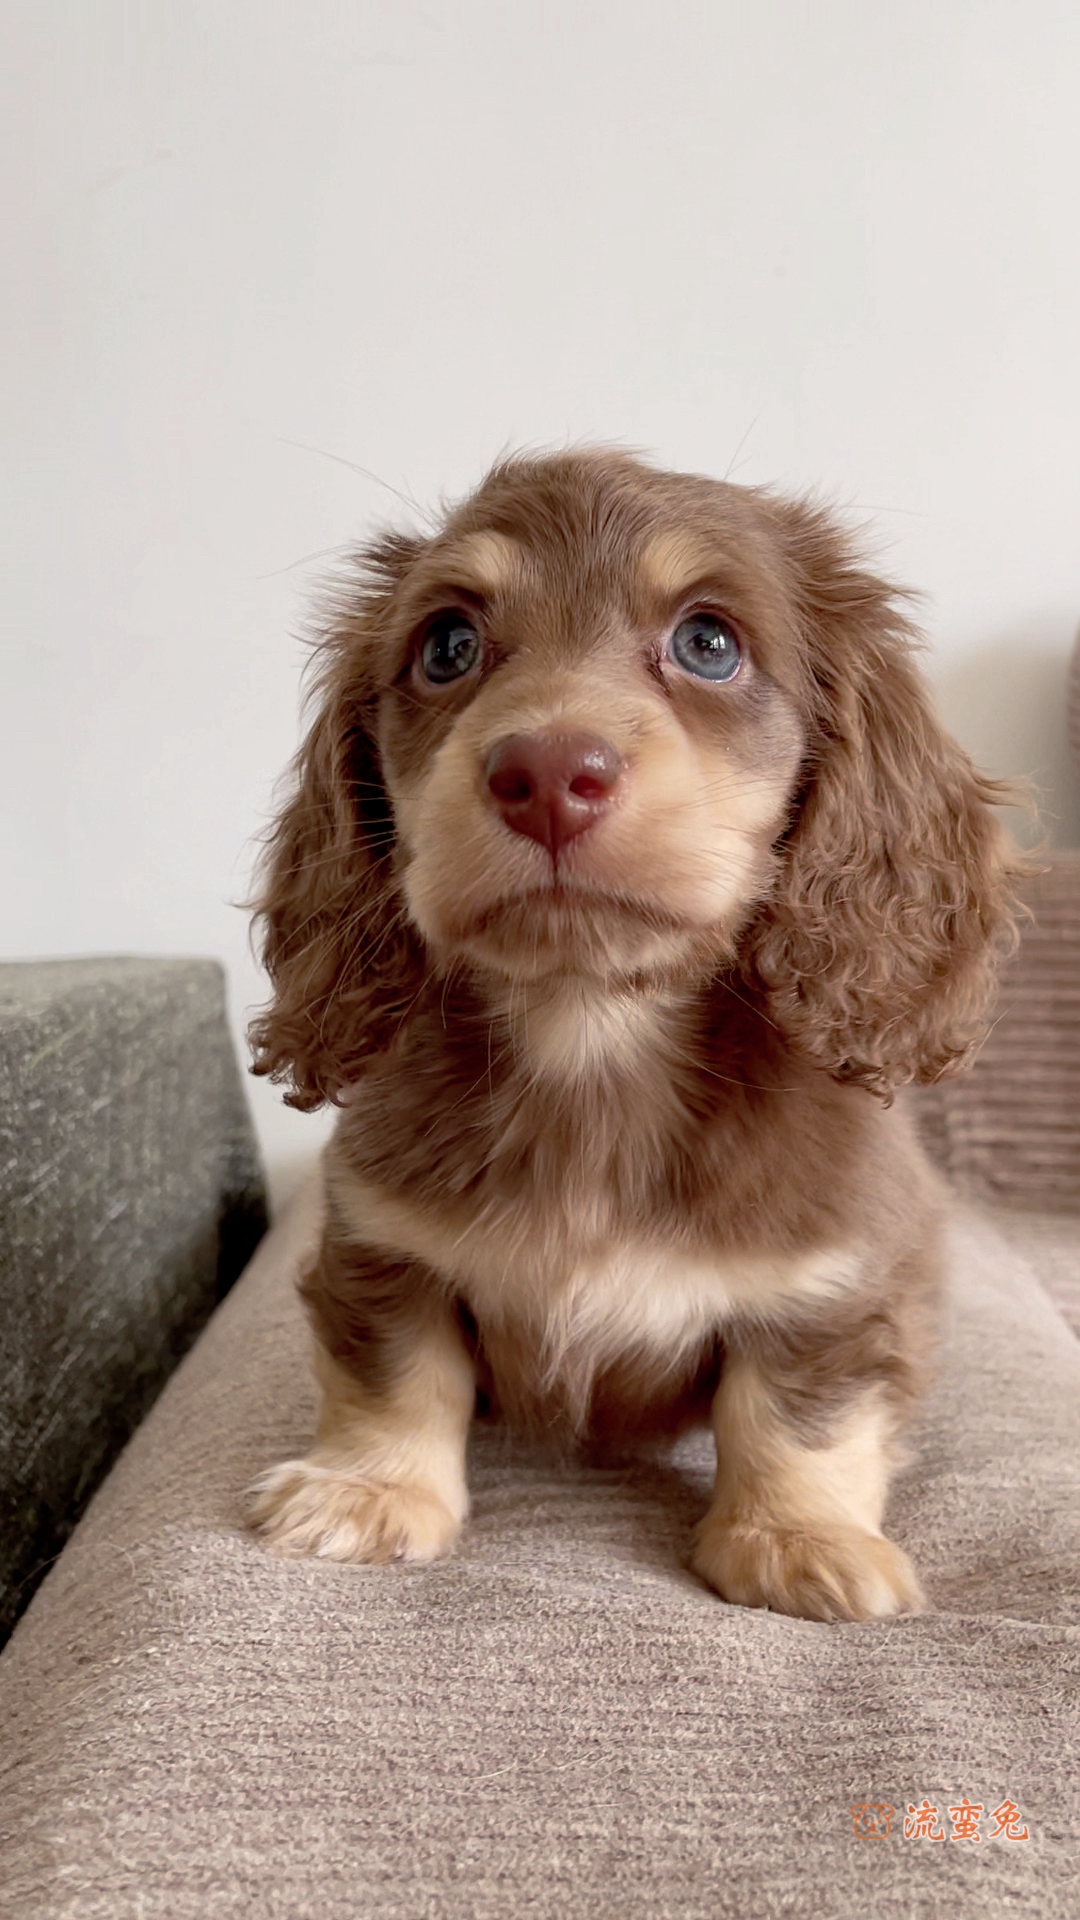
[706,646]
[451,649]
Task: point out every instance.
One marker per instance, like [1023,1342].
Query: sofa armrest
[130,1199]
[1008,1132]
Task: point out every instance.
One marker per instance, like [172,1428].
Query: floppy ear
[333,936]
[893,903]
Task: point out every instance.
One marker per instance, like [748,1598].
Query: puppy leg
[386,1477]
[795,1523]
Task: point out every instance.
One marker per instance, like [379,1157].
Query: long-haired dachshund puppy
[626,875]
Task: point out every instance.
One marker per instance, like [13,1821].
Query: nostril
[513,785]
[589,786]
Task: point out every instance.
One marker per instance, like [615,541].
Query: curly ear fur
[343,964]
[894,901]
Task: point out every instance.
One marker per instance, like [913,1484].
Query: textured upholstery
[560,1721]
[1051,1242]
[1008,1132]
[130,1199]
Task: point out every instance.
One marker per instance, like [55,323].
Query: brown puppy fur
[616,1140]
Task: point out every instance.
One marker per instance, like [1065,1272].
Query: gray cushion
[560,1721]
[130,1199]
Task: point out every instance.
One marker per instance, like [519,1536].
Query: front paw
[302,1507]
[815,1571]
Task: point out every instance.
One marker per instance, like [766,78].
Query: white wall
[836,246]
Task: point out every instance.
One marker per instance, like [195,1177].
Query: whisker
[305,446]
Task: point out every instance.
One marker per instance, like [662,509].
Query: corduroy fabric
[560,1721]
[1008,1132]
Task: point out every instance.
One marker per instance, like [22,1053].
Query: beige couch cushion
[560,1721]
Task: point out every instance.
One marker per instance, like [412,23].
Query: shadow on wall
[1009,705]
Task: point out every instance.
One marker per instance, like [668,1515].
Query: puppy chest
[654,1303]
[588,1300]
[628,1344]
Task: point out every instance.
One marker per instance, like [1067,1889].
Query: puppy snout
[552,786]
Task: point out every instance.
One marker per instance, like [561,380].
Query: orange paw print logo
[873,1819]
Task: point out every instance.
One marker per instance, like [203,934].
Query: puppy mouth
[572,929]
[574,909]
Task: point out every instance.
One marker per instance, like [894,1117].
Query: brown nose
[552,786]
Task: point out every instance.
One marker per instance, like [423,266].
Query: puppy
[626,875]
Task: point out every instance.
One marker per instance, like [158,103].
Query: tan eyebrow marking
[496,561]
[673,561]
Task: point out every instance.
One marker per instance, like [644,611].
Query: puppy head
[624,727]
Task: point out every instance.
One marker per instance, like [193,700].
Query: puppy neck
[572,1030]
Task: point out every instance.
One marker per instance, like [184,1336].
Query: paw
[302,1508]
[815,1571]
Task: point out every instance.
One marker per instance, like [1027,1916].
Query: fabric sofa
[131,1198]
[560,1720]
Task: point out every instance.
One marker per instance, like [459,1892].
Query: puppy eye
[705,645]
[451,649]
